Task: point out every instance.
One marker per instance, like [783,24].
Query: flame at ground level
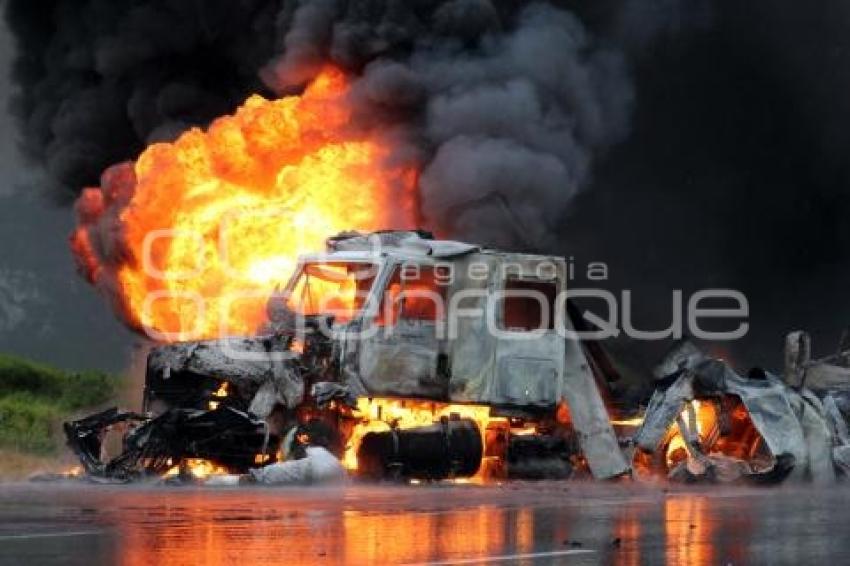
[196,468]
[733,435]
[380,414]
[208,225]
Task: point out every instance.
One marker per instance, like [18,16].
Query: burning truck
[355,353]
[359,349]
[412,358]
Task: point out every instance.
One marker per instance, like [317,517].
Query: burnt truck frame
[320,367]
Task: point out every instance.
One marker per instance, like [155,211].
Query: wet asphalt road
[456,524]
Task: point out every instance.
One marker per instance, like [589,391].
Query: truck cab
[440,320]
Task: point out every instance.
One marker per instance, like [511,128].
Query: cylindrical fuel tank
[447,449]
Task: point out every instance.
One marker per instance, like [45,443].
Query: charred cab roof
[403,244]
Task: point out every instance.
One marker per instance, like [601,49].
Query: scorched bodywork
[405,352]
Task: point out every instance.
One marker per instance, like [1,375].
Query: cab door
[402,348]
[529,351]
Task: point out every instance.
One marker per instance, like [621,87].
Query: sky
[47,312]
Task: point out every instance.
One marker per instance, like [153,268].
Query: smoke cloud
[505,110]
[100,80]
[502,107]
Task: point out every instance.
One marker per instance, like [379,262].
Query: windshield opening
[339,289]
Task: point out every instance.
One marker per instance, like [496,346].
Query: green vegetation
[35,399]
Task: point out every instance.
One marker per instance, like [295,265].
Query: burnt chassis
[795,432]
[152,446]
[802,432]
[185,416]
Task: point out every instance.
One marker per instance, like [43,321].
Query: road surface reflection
[532,523]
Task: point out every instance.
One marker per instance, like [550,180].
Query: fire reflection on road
[390,524]
[223,529]
[419,537]
[688,529]
[212,532]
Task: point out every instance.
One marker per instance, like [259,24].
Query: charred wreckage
[356,360]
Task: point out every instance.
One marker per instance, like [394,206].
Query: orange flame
[212,222]
[219,394]
[378,414]
[676,448]
[196,468]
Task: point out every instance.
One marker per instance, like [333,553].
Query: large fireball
[206,227]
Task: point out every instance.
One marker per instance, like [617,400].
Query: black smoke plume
[502,104]
[99,80]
